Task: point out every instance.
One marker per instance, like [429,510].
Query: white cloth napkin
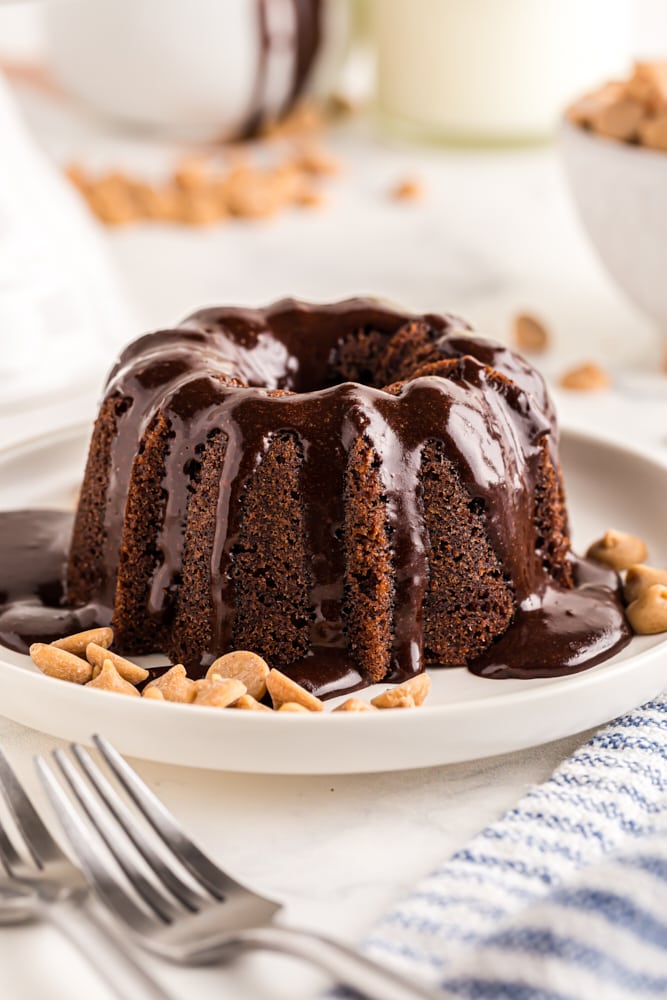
[61,312]
[565,897]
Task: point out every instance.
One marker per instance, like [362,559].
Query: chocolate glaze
[256,373]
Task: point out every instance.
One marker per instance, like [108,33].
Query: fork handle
[343,963]
[100,947]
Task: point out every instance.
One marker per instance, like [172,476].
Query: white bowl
[621,194]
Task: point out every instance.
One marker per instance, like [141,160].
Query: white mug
[196,68]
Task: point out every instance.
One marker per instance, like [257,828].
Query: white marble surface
[494,233]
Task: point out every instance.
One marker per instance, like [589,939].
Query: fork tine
[112,836]
[127,822]
[9,859]
[38,841]
[204,870]
[97,872]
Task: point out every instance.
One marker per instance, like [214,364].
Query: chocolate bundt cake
[351,491]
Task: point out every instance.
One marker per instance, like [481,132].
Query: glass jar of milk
[493,71]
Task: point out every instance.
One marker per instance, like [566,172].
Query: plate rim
[521,699]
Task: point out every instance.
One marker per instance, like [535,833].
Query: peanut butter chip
[129,671]
[293,706]
[249,668]
[355,705]
[586,378]
[530,335]
[152,694]
[618,550]
[410,694]
[218,692]
[250,704]
[639,579]
[653,132]
[648,614]
[109,679]
[77,644]
[60,663]
[174,685]
[283,690]
[408,189]
[620,120]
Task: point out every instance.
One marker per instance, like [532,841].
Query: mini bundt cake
[351,491]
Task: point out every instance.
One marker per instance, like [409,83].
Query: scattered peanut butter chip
[618,550]
[217,692]
[293,706]
[648,613]
[78,643]
[530,334]
[409,189]
[60,663]
[132,672]
[355,705]
[250,704]
[317,161]
[109,679]
[152,694]
[249,668]
[586,378]
[284,690]
[410,694]
[175,685]
[640,578]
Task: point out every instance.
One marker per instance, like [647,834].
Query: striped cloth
[565,897]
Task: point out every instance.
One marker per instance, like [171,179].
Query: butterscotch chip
[618,550]
[152,694]
[620,120]
[217,692]
[249,668]
[293,706]
[59,663]
[409,189]
[640,578]
[250,704]
[653,132]
[78,643]
[648,614]
[410,694]
[108,679]
[586,378]
[284,690]
[132,672]
[175,685]
[355,705]
[530,334]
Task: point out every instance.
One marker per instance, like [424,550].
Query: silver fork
[50,887]
[186,909]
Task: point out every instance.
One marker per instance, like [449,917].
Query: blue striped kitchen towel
[565,897]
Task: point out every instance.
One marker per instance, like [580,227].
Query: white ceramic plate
[466,717]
